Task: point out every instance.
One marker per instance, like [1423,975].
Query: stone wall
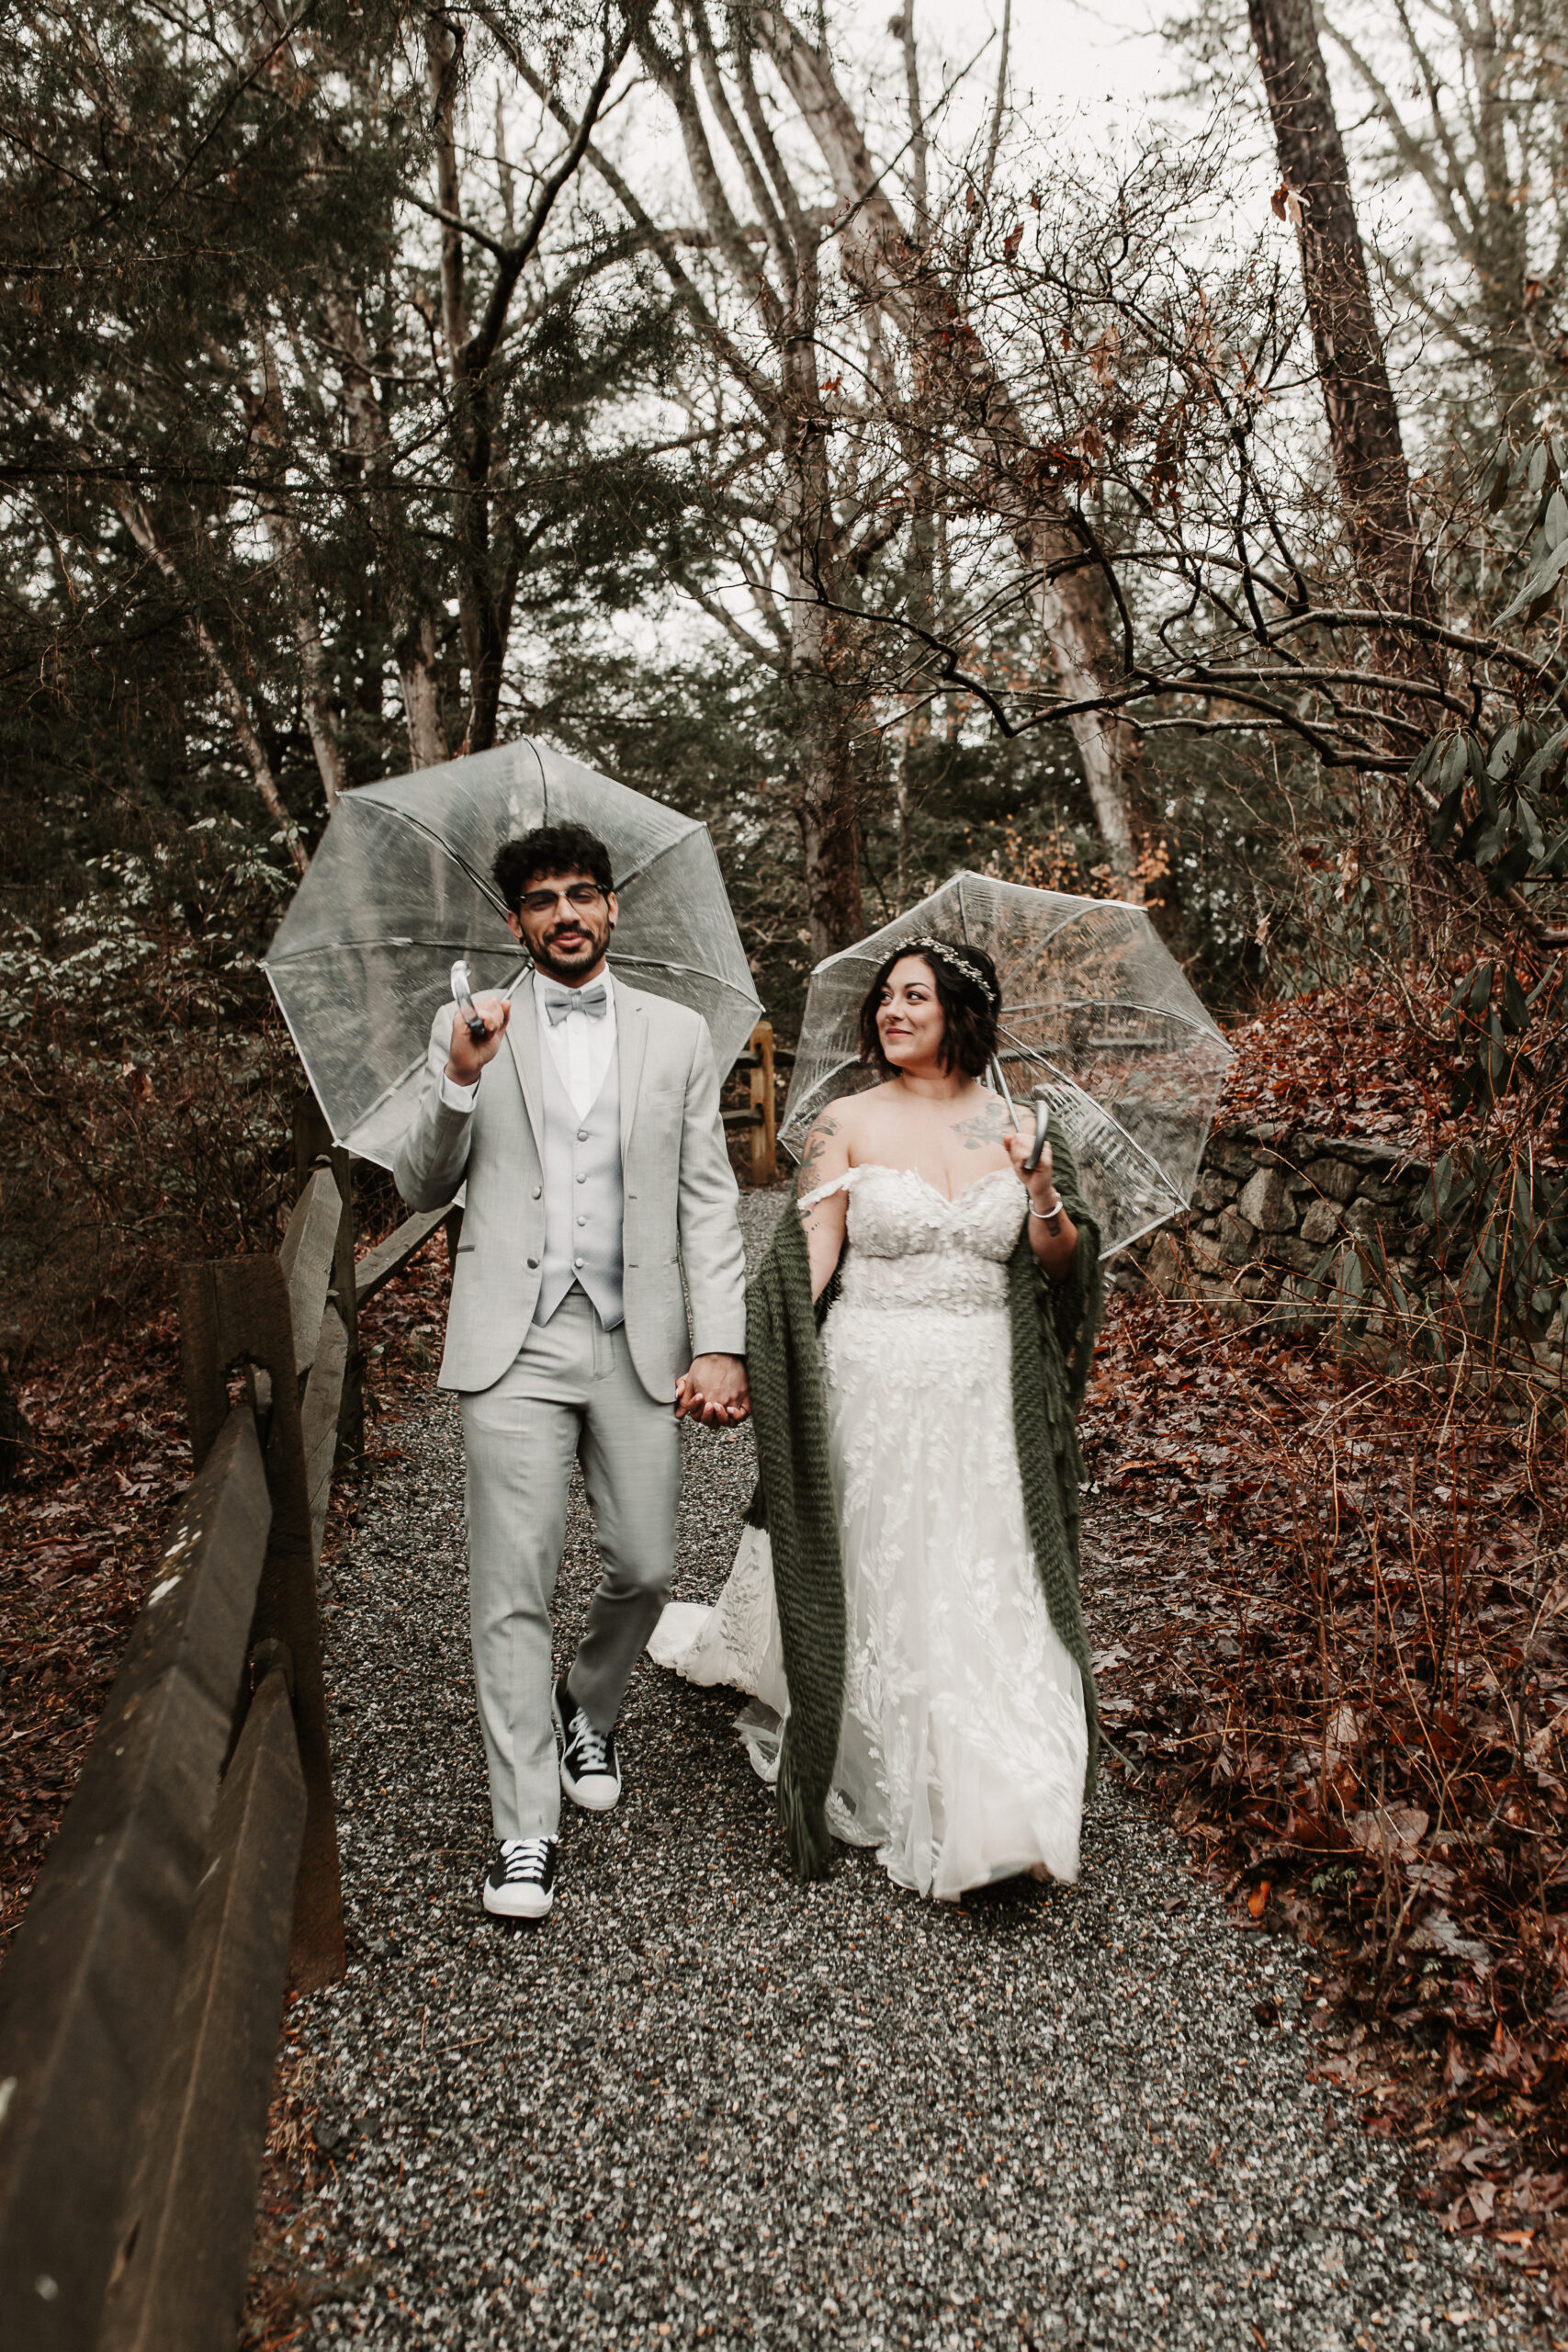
[1276,1207]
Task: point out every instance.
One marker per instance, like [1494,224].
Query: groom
[586,1124]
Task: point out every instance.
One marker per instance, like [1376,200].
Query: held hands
[1039,1183]
[466,1059]
[715,1391]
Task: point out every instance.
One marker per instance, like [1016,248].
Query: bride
[906,1611]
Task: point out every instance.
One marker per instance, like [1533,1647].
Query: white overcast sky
[1099,68]
[1099,61]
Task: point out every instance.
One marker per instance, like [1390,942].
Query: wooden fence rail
[196,1870]
[760,1115]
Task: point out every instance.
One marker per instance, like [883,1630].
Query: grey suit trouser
[571,1394]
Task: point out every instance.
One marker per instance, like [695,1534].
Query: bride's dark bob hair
[968,1013]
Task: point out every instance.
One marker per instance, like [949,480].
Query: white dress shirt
[581,1049]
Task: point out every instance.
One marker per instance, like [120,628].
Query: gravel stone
[705,2104]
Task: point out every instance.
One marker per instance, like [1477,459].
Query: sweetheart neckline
[948,1200]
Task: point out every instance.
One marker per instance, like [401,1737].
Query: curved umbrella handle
[463,997]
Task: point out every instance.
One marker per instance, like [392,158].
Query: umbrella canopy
[400,885]
[1096,1013]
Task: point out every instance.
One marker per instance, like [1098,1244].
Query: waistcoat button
[583,1134]
[533,1264]
[538,1191]
[583,1178]
[577,1261]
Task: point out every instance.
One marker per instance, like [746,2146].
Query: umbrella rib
[393,940]
[693,971]
[637,873]
[633,873]
[485,887]
[1085,907]
[1122,1005]
[405,1075]
[1100,1112]
[304,1058]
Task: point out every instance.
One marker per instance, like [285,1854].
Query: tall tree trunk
[829,820]
[282,523]
[478,619]
[487,540]
[792,407]
[825,699]
[144,531]
[138,520]
[1363,421]
[1477,197]
[1077,639]
[411,622]
[896,275]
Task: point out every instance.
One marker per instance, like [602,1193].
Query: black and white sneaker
[521,1882]
[590,1772]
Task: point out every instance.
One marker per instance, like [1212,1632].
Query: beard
[568,962]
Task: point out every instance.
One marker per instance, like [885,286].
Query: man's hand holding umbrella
[468,1054]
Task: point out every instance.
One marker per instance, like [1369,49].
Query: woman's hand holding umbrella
[1053,1236]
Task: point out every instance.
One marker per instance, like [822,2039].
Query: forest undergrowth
[1335,1619]
[1335,1603]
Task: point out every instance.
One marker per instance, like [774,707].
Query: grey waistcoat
[584,1195]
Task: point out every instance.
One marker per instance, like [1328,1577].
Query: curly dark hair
[969,1017]
[548,849]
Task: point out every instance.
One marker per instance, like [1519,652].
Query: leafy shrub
[145,1085]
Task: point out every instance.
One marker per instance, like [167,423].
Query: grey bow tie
[594,1001]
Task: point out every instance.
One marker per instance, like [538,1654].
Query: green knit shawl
[1053,1326]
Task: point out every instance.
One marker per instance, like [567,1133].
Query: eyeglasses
[544,902]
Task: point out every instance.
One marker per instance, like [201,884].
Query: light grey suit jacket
[681,1193]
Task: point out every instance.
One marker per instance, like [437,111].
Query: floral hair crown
[925,946]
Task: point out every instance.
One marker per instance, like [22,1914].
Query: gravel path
[705,2104]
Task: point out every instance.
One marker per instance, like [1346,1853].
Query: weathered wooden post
[764,1132]
[314,1147]
[253,1310]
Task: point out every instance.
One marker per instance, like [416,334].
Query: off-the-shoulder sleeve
[839,1184]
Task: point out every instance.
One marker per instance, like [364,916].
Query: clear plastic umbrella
[401,887]
[1096,1015]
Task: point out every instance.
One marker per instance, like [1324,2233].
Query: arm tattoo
[815,1145]
[987,1126]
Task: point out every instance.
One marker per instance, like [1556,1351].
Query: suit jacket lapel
[631,1045]
[523,1036]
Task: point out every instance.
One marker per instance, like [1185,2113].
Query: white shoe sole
[599,1793]
[519,1902]
[586,1794]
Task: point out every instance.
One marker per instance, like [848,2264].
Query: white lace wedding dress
[964,1746]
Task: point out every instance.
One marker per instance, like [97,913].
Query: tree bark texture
[968,383]
[480,621]
[282,523]
[1363,420]
[1486,156]
[489,545]
[144,531]
[819,666]
[412,625]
